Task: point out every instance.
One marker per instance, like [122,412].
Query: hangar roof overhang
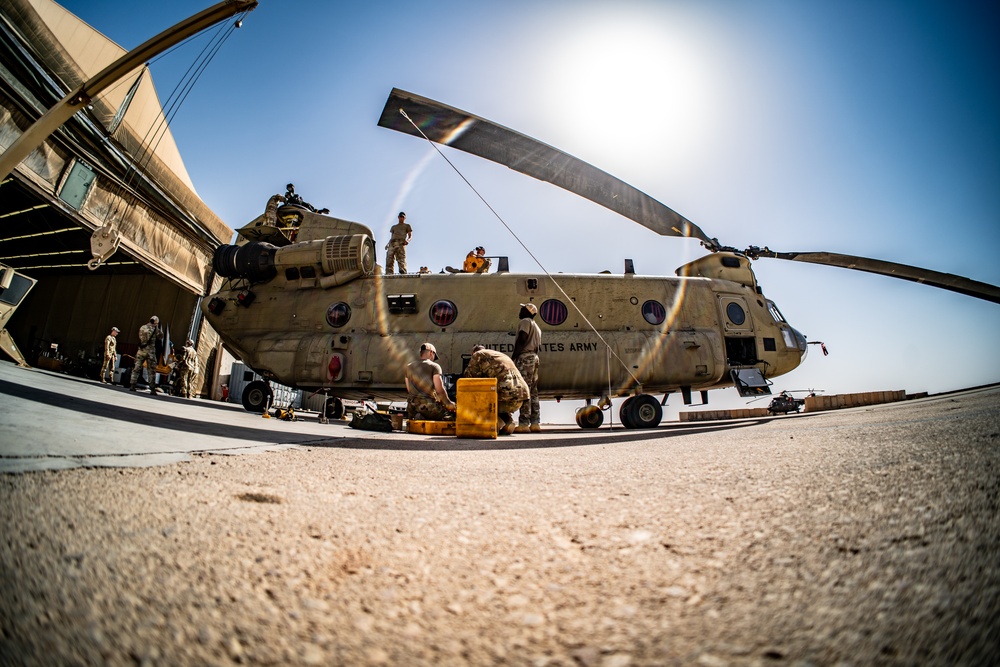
[99,168]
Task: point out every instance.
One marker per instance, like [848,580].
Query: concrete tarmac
[857,537]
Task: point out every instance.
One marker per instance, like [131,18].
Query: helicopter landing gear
[257,396]
[589,416]
[641,411]
[334,408]
[624,413]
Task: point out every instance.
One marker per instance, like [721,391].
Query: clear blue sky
[865,128]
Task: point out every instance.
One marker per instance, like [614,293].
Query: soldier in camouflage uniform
[526,346]
[512,390]
[148,335]
[426,397]
[271,210]
[187,368]
[400,234]
[110,352]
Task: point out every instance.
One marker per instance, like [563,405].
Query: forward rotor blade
[472,134]
[946,281]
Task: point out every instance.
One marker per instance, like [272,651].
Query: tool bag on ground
[373,421]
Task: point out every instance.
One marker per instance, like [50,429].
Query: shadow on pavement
[164,421]
[515,442]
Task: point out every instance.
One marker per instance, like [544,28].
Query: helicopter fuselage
[297,318]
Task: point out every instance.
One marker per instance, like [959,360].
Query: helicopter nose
[800,342]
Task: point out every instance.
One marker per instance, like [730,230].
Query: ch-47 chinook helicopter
[304,304]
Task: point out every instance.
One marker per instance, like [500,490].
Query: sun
[622,79]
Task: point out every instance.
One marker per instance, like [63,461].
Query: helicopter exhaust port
[254,261]
[338,259]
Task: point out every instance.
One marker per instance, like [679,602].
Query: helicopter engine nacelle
[336,259]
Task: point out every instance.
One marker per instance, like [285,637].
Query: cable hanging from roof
[149,143]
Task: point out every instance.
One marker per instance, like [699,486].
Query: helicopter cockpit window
[443,313]
[775,313]
[654,312]
[735,313]
[553,312]
[338,315]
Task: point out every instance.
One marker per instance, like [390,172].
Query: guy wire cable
[155,133]
[521,243]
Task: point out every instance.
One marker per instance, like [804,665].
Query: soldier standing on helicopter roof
[148,335]
[526,346]
[400,234]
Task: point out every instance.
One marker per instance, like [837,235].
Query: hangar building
[113,165]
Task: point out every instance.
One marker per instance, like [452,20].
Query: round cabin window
[654,312]
[443,313]
[736,313]
[553,312]
[338,315]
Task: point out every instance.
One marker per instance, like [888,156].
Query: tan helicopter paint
[284,333]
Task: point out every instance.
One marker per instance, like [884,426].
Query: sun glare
[620,80]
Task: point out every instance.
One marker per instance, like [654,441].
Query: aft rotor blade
[472,134]
[946,281]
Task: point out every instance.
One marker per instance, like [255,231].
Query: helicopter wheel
[624,412]
[334,408]
[256,396]
[643,411]
[589,416]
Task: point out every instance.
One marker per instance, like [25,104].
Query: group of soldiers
[517,380]
[184,365]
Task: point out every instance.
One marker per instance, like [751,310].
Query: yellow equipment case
[427,427]
[477,408]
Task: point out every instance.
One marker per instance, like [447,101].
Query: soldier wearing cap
[476,261]
[512,390]
[149,334]
[395,249]
[526,346]
[187,368]
[426,397]
[110,352]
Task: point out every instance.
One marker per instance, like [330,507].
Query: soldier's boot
[536,428]
[131,387]
[153,390]
[522,428]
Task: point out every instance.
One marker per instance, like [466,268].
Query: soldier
[292,197]
[187,368]
[271,210]
[512,390]
[148,335]
[526,346]
[476,261]
[295,199]
[110,351]
[426,397]
[400,234]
